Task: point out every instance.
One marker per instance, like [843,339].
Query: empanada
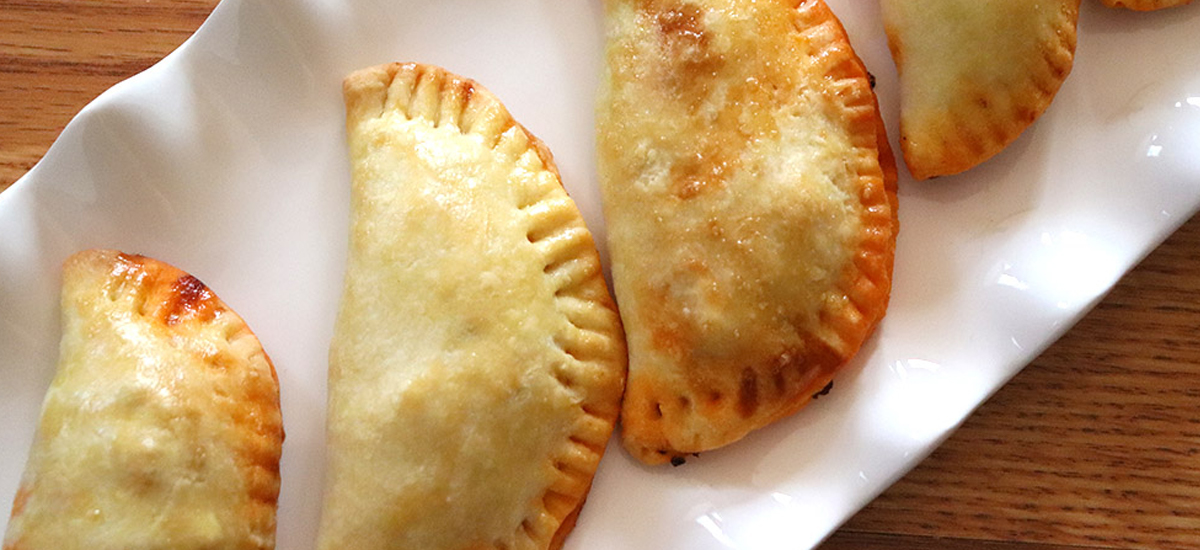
[477,361]
[1145,5]
[749,194]
[162,427]
[974,74]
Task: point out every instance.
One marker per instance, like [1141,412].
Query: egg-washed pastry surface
[749,194]
[1145,5]
[974,74]
[477,363]
[161,429]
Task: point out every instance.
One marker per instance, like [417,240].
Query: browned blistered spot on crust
[666,335]
[748,393]
[467,89]
[780,380]
[693,68]
[704,170]
[185,298]
[189,299]
[686,41]
[683,21]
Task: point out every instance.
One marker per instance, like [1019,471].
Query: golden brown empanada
[162,426]
[477,362]
[974,74]
[750,201]
[1145,5]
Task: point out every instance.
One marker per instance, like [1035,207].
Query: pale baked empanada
[161,429]
[750,200]
[477,362]
[1145,5]
[974,74]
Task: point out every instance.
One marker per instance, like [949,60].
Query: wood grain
[1095,445]
[57,55]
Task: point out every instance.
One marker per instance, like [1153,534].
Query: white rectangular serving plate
[228,160]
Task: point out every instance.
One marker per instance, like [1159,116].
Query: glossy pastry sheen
[161,429]
[974,74]
[477,362]
[749,194]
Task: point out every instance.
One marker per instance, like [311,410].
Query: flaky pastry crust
[162,428]
[974,74]
[750,202]
[478,361]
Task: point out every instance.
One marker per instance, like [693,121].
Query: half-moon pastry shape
[477,361]
[749,194]
[161,429]
[974,74]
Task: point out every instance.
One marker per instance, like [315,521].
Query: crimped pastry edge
[572,262]
[867,278]
[973,133]
[175,302]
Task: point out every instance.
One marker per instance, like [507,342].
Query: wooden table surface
[1094,445]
